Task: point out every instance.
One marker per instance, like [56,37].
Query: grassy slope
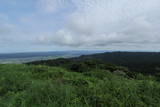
[42,86]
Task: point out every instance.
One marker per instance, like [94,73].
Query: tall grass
[43,86]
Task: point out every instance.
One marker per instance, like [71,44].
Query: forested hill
[86,81]
[144,62]
[125,57]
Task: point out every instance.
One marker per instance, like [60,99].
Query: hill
[142,62]
[44,86]
[114,79]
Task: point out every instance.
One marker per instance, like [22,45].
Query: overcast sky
[50,25]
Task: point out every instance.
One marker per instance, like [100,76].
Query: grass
[43,86]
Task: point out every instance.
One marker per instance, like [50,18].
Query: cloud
[103,23]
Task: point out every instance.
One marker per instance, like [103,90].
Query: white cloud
[110,22]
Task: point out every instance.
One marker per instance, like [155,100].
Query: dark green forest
[115,79]
[147,63]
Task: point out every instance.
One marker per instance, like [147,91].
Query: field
[43,86]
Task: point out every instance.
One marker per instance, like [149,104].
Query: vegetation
[147,63]
[86,81]
[96,85]
[79,65]
[141,62]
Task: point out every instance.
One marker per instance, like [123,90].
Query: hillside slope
[43,86]
[143,62]
[147,63]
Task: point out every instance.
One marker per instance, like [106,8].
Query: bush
[43,86]
[79,67]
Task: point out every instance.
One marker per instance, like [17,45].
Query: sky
[54,25]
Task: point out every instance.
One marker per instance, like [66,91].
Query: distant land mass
[35,56]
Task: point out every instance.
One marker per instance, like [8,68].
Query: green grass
[43,86]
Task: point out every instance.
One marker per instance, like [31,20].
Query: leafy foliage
[147,63]
[44,86]
[141,62]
